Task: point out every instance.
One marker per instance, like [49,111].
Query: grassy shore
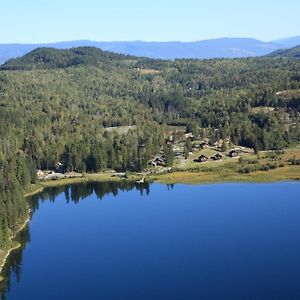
[188,177]
[226,174]
[98,177]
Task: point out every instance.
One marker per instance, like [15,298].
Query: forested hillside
[49,58]
[58,106]
[292,53]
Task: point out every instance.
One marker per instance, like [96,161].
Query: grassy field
[149,71]
[288,94]
[227,175]
[262,109]
[293,152]
[122,130]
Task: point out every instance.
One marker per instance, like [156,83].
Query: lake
[126,241]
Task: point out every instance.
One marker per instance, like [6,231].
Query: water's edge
[14,246]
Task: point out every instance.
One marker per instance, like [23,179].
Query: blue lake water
[110,241]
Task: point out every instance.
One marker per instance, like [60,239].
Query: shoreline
[287,173]
[34,192]
[189,177]
[177,177]
[13,247]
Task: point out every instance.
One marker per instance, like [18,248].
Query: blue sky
[33,21]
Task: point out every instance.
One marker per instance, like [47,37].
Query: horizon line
[145,41]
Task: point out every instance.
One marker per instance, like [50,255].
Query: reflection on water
[74,193]
[220,241]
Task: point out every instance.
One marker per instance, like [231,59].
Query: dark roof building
[157,161]
[203,145]
[201,158]
[218,156]
[233,153]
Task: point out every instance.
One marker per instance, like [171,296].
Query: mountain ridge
[211,48]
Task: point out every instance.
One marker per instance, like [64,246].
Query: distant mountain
[224,47]
[292,52]
[50,58]
[288,42]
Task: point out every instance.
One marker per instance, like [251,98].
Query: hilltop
[49,58]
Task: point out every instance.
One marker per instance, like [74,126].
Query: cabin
[218,144]
[40,173]
[203,145]
[218,156]
[201,158]
[151,164]
[157,161]
[59,167]
[177,153]
[189,135]
[233,153]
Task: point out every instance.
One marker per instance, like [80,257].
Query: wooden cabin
[203,145]
[40,173]
[201,158]
[157,161]
[233,153]
[218,156]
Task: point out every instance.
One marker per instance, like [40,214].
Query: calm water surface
[110,241]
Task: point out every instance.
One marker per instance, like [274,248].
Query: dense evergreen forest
[60,106]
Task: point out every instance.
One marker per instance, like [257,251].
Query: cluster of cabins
[160,159]
[216,157]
